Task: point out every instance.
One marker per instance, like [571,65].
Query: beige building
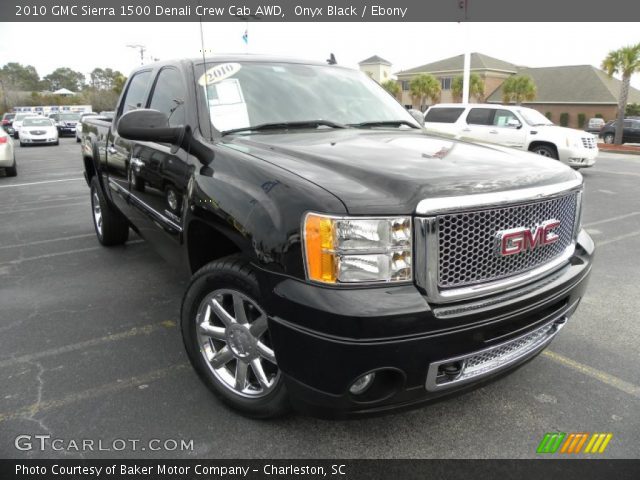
[377,68]
[581,91]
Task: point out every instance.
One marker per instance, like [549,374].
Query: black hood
[389,172]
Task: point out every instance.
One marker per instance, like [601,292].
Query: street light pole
[142,49]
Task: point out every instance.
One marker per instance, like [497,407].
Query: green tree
[392,87]
[64,77]
[476,87]
[118,83]
[424,87]
[518,89]
[625,62]
[632,110]
[16,76]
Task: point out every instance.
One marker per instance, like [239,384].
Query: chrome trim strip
[505,361]
[160,216]
[435,206]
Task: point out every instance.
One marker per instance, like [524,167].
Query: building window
[405,85]
[445,83]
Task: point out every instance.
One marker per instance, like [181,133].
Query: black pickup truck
[342,261]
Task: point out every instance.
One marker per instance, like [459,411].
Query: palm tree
[423,87]
[518,88]
[624,61]
[392,87]
[476,87]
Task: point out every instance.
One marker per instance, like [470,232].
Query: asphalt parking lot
[90,349]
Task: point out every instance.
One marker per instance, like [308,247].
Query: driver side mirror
[417,116]
[149,126]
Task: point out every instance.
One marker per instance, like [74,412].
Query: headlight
[352,250]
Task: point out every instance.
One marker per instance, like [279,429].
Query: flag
[245,37]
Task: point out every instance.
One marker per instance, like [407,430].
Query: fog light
[362,383]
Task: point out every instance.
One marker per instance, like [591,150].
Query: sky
[84,46]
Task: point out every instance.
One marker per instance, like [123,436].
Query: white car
[516,127]
[7,155]
[38,130]
[18,119]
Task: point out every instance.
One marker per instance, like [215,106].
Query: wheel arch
[537,143]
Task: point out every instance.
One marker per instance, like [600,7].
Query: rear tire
[12,171]
[225,333]
[21,144]
[110,226]
[77,140]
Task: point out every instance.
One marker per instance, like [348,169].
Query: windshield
[36,122]
[69,116]
[22,116]
[533,117]
[240,95]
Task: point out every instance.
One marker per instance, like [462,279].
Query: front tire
[545,151]
[609,138]
[225,333]
[110,226]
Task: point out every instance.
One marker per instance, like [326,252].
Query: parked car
[7,119]
[341,259]
[38,130]
[630,131]
[594,125]
[513,126]
[66,123]
[7,155]
[17,121]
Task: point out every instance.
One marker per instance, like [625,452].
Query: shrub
[548,115]
[564,119]
[599,115]
[581,120]
[633,109]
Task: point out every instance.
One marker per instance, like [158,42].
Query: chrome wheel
[608,138]
[234,341]
[97,212]
[544,152]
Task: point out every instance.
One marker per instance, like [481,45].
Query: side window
[443,115]
[626,124]
[504,118]
[169,96]
[135,92]
[480,116]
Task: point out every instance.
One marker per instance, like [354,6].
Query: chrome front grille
[589,142]
[468,244]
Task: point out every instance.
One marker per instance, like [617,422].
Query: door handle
[493,131]
[136,162]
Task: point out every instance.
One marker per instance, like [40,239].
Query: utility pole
[142,49]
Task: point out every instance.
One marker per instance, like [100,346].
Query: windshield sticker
[227,105]
[218,73]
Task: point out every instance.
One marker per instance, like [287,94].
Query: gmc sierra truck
[342,261]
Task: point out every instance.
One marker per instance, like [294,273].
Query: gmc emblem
[517,240]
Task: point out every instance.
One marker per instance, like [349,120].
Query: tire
[77,140]
[225,284]
[608,138]
[545,151]
[15,135]
[110,226]
[21,144]
[57,143]
[12,171]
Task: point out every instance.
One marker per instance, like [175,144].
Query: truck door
[507,128]
[158,173]
[119,149]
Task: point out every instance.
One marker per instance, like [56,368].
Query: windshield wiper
[286,125]
[383,123]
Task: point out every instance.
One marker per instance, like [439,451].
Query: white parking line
[40,183]
[616,239]
[612,219]
[69,252]
[39,242]
[46,207]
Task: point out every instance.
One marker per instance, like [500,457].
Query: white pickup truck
[513,126]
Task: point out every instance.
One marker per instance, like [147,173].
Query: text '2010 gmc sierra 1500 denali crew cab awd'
[342,260]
